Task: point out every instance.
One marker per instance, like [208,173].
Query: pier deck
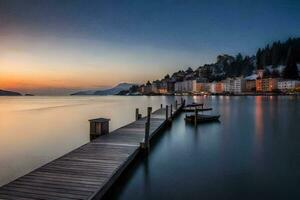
[88,171]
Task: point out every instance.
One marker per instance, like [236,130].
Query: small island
[9,93]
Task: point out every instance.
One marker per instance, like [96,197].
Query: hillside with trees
[281,59]
[286,54]
[272,58]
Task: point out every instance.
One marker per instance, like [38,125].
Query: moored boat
[195,106]
[202,118]
[191,109]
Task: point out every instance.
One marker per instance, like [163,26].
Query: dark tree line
[279,53]
[228,66]
[240,66]
[286,53]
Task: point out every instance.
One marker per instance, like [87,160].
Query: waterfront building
[202,85]
[266,84]
[154,87]
[163,83]
[217,87]
[171,86]
[207,87]
[250,83]
[285,85]
[269,84]
[239,85]
[188,86]
[250,86]
[162,91]
[212,87]
[178,86]
[163,86]
[258,85]
[234,85]
[146,89]
[227,82]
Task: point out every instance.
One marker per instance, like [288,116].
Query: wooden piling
[149,110]
[167,110]
[161,105]
[146,144]
[196,116]
[176,105]
[136,114]
[171,111]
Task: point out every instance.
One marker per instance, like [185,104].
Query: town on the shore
[273,70]
[184,83]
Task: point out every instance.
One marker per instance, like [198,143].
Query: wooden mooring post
[196,116]
[176,105]
[182,101]
[167,112]
[171,111]
[146,143]
[137,114]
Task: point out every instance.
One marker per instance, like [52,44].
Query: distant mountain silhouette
[9,93]
[112,91]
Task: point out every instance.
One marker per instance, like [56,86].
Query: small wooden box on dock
[99,126]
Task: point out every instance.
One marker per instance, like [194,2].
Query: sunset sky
[58,47]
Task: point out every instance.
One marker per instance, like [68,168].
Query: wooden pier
[89,171]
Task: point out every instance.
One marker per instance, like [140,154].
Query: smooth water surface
[253,153]
[36,130]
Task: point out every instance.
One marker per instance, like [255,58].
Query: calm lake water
[36,130]
[253,153]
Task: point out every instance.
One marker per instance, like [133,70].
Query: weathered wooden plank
[32,195]
[54,193]
[49,189]
[57,185]
[57,181]
[10,197]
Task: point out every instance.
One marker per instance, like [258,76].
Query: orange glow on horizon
[27,74]
[35,65]
[69,80]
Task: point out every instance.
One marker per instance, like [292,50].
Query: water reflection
[259,120]
[242,157]
[246,156]
[147,177]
